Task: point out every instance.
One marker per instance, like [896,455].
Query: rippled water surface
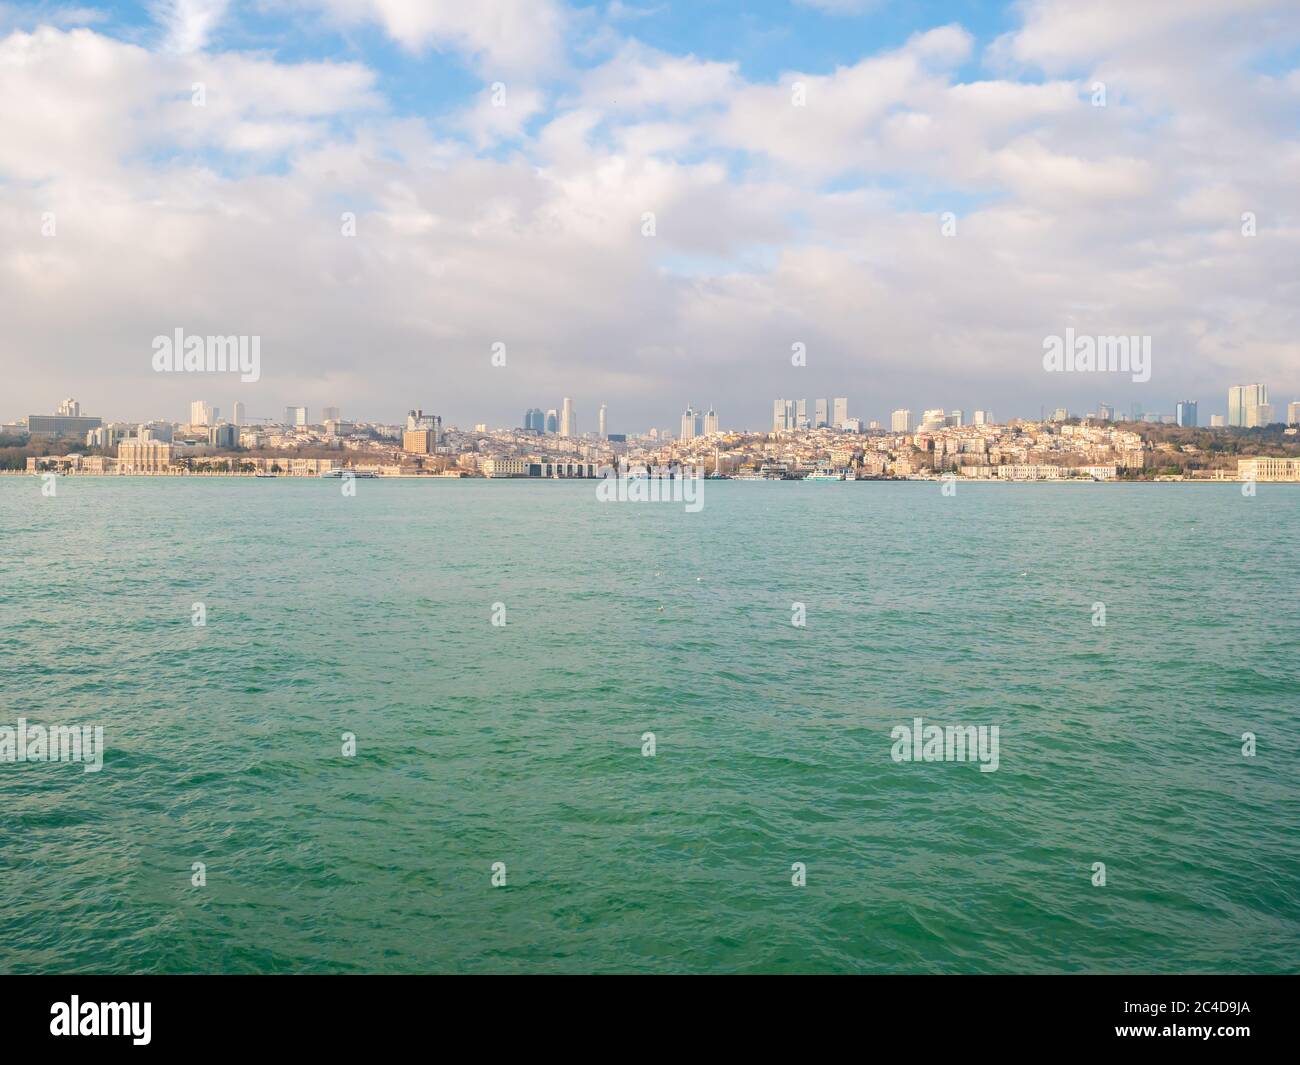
[522,744]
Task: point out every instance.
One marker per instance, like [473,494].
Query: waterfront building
[504,467]
[1268,469]
[143,456]
[498,468]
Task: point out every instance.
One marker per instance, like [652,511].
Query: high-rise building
[568,426]
[418,421]
[534,420]
[199,413]
[419,441]
[821,414]
[601,430]
[1186,413]
[841,411]
[711,421]
[1218,421]
[1244,403]
[330,414]
[801,414]
[901,421]
[237,413]
[1106,412]
[785,414]
[954,419]
[552,421]
[69,408]
[690,424]
[295,415]
[1293,412]
[224,435]
[982,417]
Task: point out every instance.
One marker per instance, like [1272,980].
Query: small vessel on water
[338,474]
[261,474]
[824,473]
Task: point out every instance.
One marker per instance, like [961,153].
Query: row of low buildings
[496,468]
[153,458]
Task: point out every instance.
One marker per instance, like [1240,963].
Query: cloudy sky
[501,158]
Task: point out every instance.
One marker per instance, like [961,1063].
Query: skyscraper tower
[552,421]
[567,427]
[690,424]
[821,414]
[601,429]
[1245,403]
[711,421]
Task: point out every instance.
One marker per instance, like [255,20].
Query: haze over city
[647,206]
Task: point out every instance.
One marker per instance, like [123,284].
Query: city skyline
[1246,406]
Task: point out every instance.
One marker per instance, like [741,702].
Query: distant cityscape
[820,440]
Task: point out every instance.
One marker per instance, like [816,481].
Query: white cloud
[523,223]
[189,23]
[505,38]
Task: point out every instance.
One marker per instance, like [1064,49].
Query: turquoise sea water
[522,744]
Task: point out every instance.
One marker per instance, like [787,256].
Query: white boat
[824,474]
